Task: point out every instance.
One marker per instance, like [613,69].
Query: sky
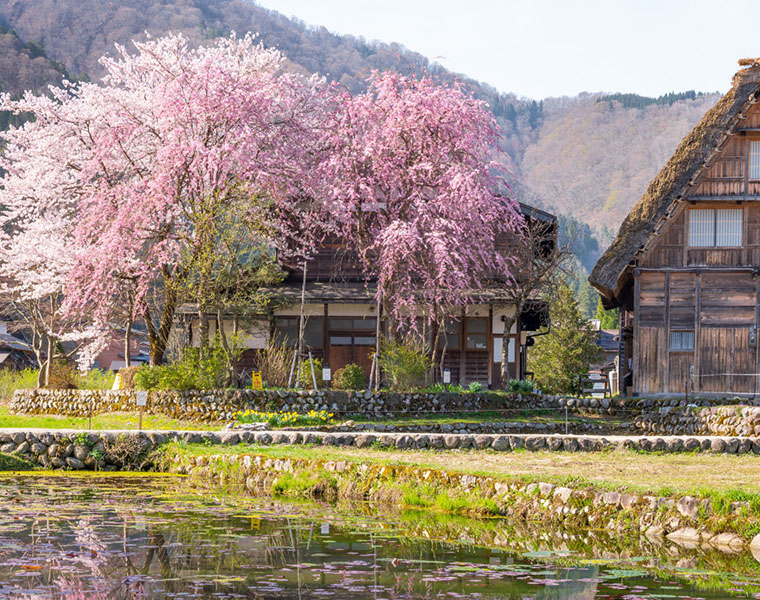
[542,48]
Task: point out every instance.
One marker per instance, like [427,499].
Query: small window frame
[679,333]
[715,245]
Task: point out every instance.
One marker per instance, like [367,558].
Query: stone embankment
[112,450]
[221,405]
[687,520]
[730,420]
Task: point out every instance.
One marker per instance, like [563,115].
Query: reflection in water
[120,538]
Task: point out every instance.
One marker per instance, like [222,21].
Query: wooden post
[666,348]
[697,334]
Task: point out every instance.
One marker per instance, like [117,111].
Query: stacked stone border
[688,521]
[114,450]
[221,405]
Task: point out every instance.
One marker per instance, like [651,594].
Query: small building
[684,268]
[341,320]
[15,353]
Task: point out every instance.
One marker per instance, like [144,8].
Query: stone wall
[113,450]
[731,420]
[220,405]
[685,520]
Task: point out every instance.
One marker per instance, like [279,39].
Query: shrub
[191,372]
[520,386]
[63,376]
[406,363]
[128,377]
[476,387]
[96,379]
[11,380]
[304,375]
[274,362]
[350,377]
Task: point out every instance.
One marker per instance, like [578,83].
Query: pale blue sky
[540,48]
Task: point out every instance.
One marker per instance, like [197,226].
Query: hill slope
[577,156]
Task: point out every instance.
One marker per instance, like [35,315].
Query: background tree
[539,262]
[559,358]
[609,319]
[414,191]
[151,159]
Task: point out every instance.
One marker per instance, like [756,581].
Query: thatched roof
[612,271]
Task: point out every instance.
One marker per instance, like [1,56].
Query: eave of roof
[691,158]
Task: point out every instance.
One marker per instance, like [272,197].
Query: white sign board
[326,374]
[446,376]
[142,398]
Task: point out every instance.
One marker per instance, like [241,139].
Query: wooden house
[341,319]
[685,265]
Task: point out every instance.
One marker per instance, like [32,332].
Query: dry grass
[653,473]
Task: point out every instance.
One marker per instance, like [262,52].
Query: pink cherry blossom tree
[414,181]
[151,158]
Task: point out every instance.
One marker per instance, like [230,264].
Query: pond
[161,537]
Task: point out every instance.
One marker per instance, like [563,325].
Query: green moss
[8,462]
[305,484]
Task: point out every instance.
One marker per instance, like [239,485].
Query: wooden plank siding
[720,308]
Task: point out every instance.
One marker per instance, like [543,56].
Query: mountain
[588,157]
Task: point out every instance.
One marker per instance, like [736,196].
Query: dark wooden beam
[737,198]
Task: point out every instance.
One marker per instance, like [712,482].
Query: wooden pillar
[325,339]
[666,349]
[756,387]
[697,330]
[489,345]
[462,347]
[636,380]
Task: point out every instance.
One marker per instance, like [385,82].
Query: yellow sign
[256,383]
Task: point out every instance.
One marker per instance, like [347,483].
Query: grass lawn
[660,474]
[117,420]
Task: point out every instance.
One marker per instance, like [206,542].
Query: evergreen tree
[609,319]
[559,358]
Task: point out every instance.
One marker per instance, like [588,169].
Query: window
[754,160]
[450,336]
[715,228]
[286,331]
[681,341]
[476,333]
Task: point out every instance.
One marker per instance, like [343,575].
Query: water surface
[116,537]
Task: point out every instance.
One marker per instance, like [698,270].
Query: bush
[406,363]
[191,372]
[12,380]
[128,377]
[148,378]
[274,363]
[520,386]
[63,376]
[476,387]
[304,375]
[96,379]
[350,377]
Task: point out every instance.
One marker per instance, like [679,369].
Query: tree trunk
[128,342]
[506,336]
[378,345]
[51,341]
[202,330]
[159,337]
[231,374]
[301,328]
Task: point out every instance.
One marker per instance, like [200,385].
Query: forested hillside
[589,157]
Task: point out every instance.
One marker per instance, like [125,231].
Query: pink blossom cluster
[110,182]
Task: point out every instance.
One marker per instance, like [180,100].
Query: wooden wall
[720,307]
